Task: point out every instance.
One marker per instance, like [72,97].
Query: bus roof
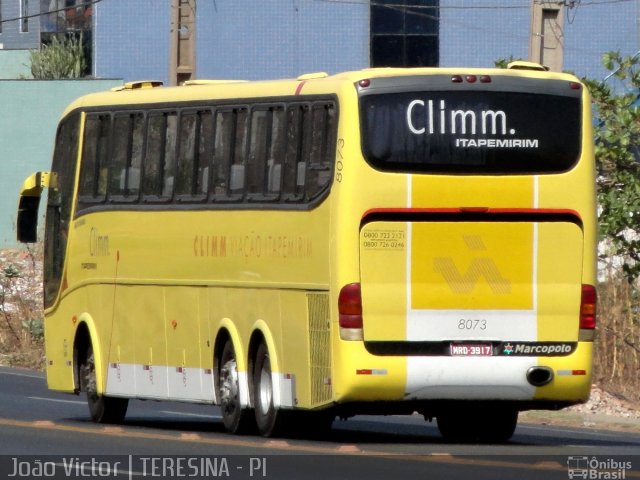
[150,91]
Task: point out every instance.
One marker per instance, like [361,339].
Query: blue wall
[280,38]
[244,39]
[253,39]
[479,36]
[11,36]
[597,29]
[131,39]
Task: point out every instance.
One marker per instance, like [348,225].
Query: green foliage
[11,271]
[63,58]
[504,62]
[34,327]
[617,150]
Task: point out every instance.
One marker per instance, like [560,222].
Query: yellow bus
[384,241]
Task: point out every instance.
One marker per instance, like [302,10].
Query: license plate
[471,350]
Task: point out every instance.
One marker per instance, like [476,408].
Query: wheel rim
[266,388]
[229,386]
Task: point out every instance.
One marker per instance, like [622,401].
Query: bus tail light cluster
[350,312]
[470,78]
[588,304]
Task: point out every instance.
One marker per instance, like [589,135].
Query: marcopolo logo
[549,349]
[597,468]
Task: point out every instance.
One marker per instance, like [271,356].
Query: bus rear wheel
[102,409]
[236,419]
[270,420]
[484,424]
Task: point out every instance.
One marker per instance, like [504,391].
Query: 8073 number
[472,324]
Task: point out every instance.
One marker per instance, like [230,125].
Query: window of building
[68,18]
[404,33]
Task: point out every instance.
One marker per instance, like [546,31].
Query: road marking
[275,445]
[571,430]
[76,402]
[187,414]
[39,377]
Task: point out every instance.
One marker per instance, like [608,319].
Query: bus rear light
[350,306]
[588,305]
[470,78]
[575,86]
[364,83]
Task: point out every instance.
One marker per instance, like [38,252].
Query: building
[173,40]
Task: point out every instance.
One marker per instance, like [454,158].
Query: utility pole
[546,45]
[182,54]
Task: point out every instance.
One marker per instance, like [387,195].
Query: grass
[21,312]
[617,344]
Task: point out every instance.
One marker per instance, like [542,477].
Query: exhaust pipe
[539,376]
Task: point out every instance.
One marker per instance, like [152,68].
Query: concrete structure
[14,64]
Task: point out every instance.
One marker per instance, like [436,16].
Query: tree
[617,151]
[62,58]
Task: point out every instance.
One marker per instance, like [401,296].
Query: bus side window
[194,155]
[318,173]
[185,185]
[205,152]
[222,153]
[59,205]
[160,159]
[94,169]
[277,151]
[120,155]
[238,170]
[294,154]
[135,158]
[170,155]
[153,159]
[257,159]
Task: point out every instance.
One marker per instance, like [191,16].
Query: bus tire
[236,419]
[103,409]
[311,424]
[270,420]
[502,426]
[478,425]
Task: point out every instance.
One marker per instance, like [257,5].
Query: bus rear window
[471,132]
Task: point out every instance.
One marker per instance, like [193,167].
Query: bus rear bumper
[490,378]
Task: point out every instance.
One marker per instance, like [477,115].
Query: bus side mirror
[30,202]
[28,219]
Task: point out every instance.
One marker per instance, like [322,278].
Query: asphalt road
[44,432]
